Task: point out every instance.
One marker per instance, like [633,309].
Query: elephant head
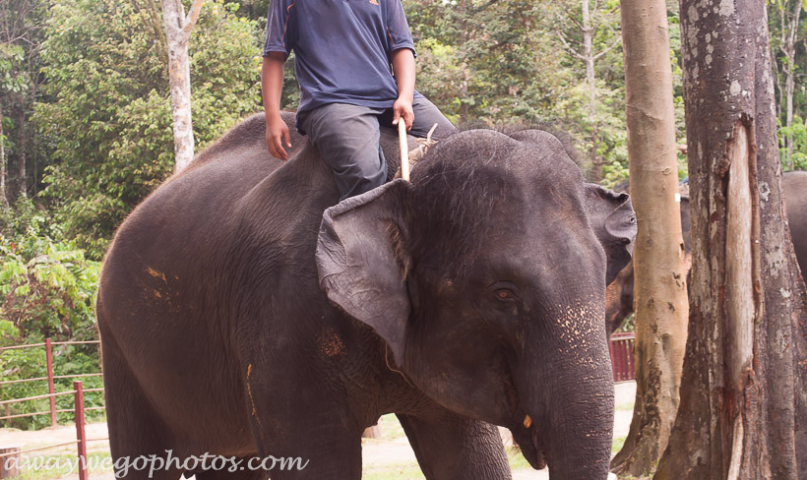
[486,276]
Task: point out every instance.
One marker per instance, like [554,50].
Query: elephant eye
[505,295]
[504,291]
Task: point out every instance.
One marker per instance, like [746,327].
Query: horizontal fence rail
[78,403]
[48,344]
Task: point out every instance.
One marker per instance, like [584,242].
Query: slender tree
[658,257]
[178,27]
[587,26]
[3,194]
[743,408]
[790,31]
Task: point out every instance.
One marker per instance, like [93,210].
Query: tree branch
[611,47]
[156,24]
[483,7]
[190,20]
[567,46]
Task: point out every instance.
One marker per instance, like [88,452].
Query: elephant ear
[360,260]
[612,217]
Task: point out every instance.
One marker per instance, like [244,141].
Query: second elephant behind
[619,295]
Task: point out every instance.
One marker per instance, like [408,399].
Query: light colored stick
[404,149]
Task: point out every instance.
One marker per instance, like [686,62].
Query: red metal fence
[621,346]
[78,403]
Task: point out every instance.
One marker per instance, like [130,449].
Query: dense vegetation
[86,133]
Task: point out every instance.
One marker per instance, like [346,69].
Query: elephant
[244,313]
[794,190]
[619,294]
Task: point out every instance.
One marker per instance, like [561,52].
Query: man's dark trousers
[348,137]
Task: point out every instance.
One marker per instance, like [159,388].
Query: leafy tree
[110,120]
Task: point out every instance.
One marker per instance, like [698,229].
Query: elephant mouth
[531,445]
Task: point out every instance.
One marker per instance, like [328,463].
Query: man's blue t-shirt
[342,48]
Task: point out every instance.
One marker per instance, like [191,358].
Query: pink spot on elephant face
[330,344]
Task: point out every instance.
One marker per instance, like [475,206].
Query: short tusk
[527,422]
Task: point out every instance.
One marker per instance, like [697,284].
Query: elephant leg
[450,446]
[308,421]
[306,444]
[139,440]
[238,474]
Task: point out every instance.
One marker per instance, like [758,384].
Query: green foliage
[11,57]
[111,118]
[47,286]
[47,290]
[798,155]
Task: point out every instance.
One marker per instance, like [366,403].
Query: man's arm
[403,65]
[272,85]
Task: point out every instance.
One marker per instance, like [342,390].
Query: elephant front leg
[302,430]
[296,443]
[450,446]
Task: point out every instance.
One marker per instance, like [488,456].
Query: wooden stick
[404,149]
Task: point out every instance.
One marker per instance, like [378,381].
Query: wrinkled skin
[240,317]
[794,186]
[619,294]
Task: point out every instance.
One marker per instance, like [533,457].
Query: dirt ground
[374,452]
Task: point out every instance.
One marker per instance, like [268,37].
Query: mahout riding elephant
[619,294]
[244,313]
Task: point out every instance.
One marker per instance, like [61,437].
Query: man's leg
[347,137]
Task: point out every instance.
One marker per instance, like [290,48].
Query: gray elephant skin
[619,295]
[242,314]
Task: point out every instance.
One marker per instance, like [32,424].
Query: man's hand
[277,133]
[403,109]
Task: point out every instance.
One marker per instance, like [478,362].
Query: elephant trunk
[569,405]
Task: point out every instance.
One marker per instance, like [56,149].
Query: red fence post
[51,390]
[621,346]
[81,435]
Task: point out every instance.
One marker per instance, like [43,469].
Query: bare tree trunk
[591,81]
[790,37]
[588,56]
[17,162]
[743,410]
[658,257]
[3,175]
[178,29]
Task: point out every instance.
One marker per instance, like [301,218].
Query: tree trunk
[658,257]
[3,175]
[591,81]
[743,409]
[790,37]
[18,175]
[177,31]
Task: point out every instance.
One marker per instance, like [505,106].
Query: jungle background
[85,121]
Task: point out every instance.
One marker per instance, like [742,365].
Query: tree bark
[743,409]
[178,29]
[658,256]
